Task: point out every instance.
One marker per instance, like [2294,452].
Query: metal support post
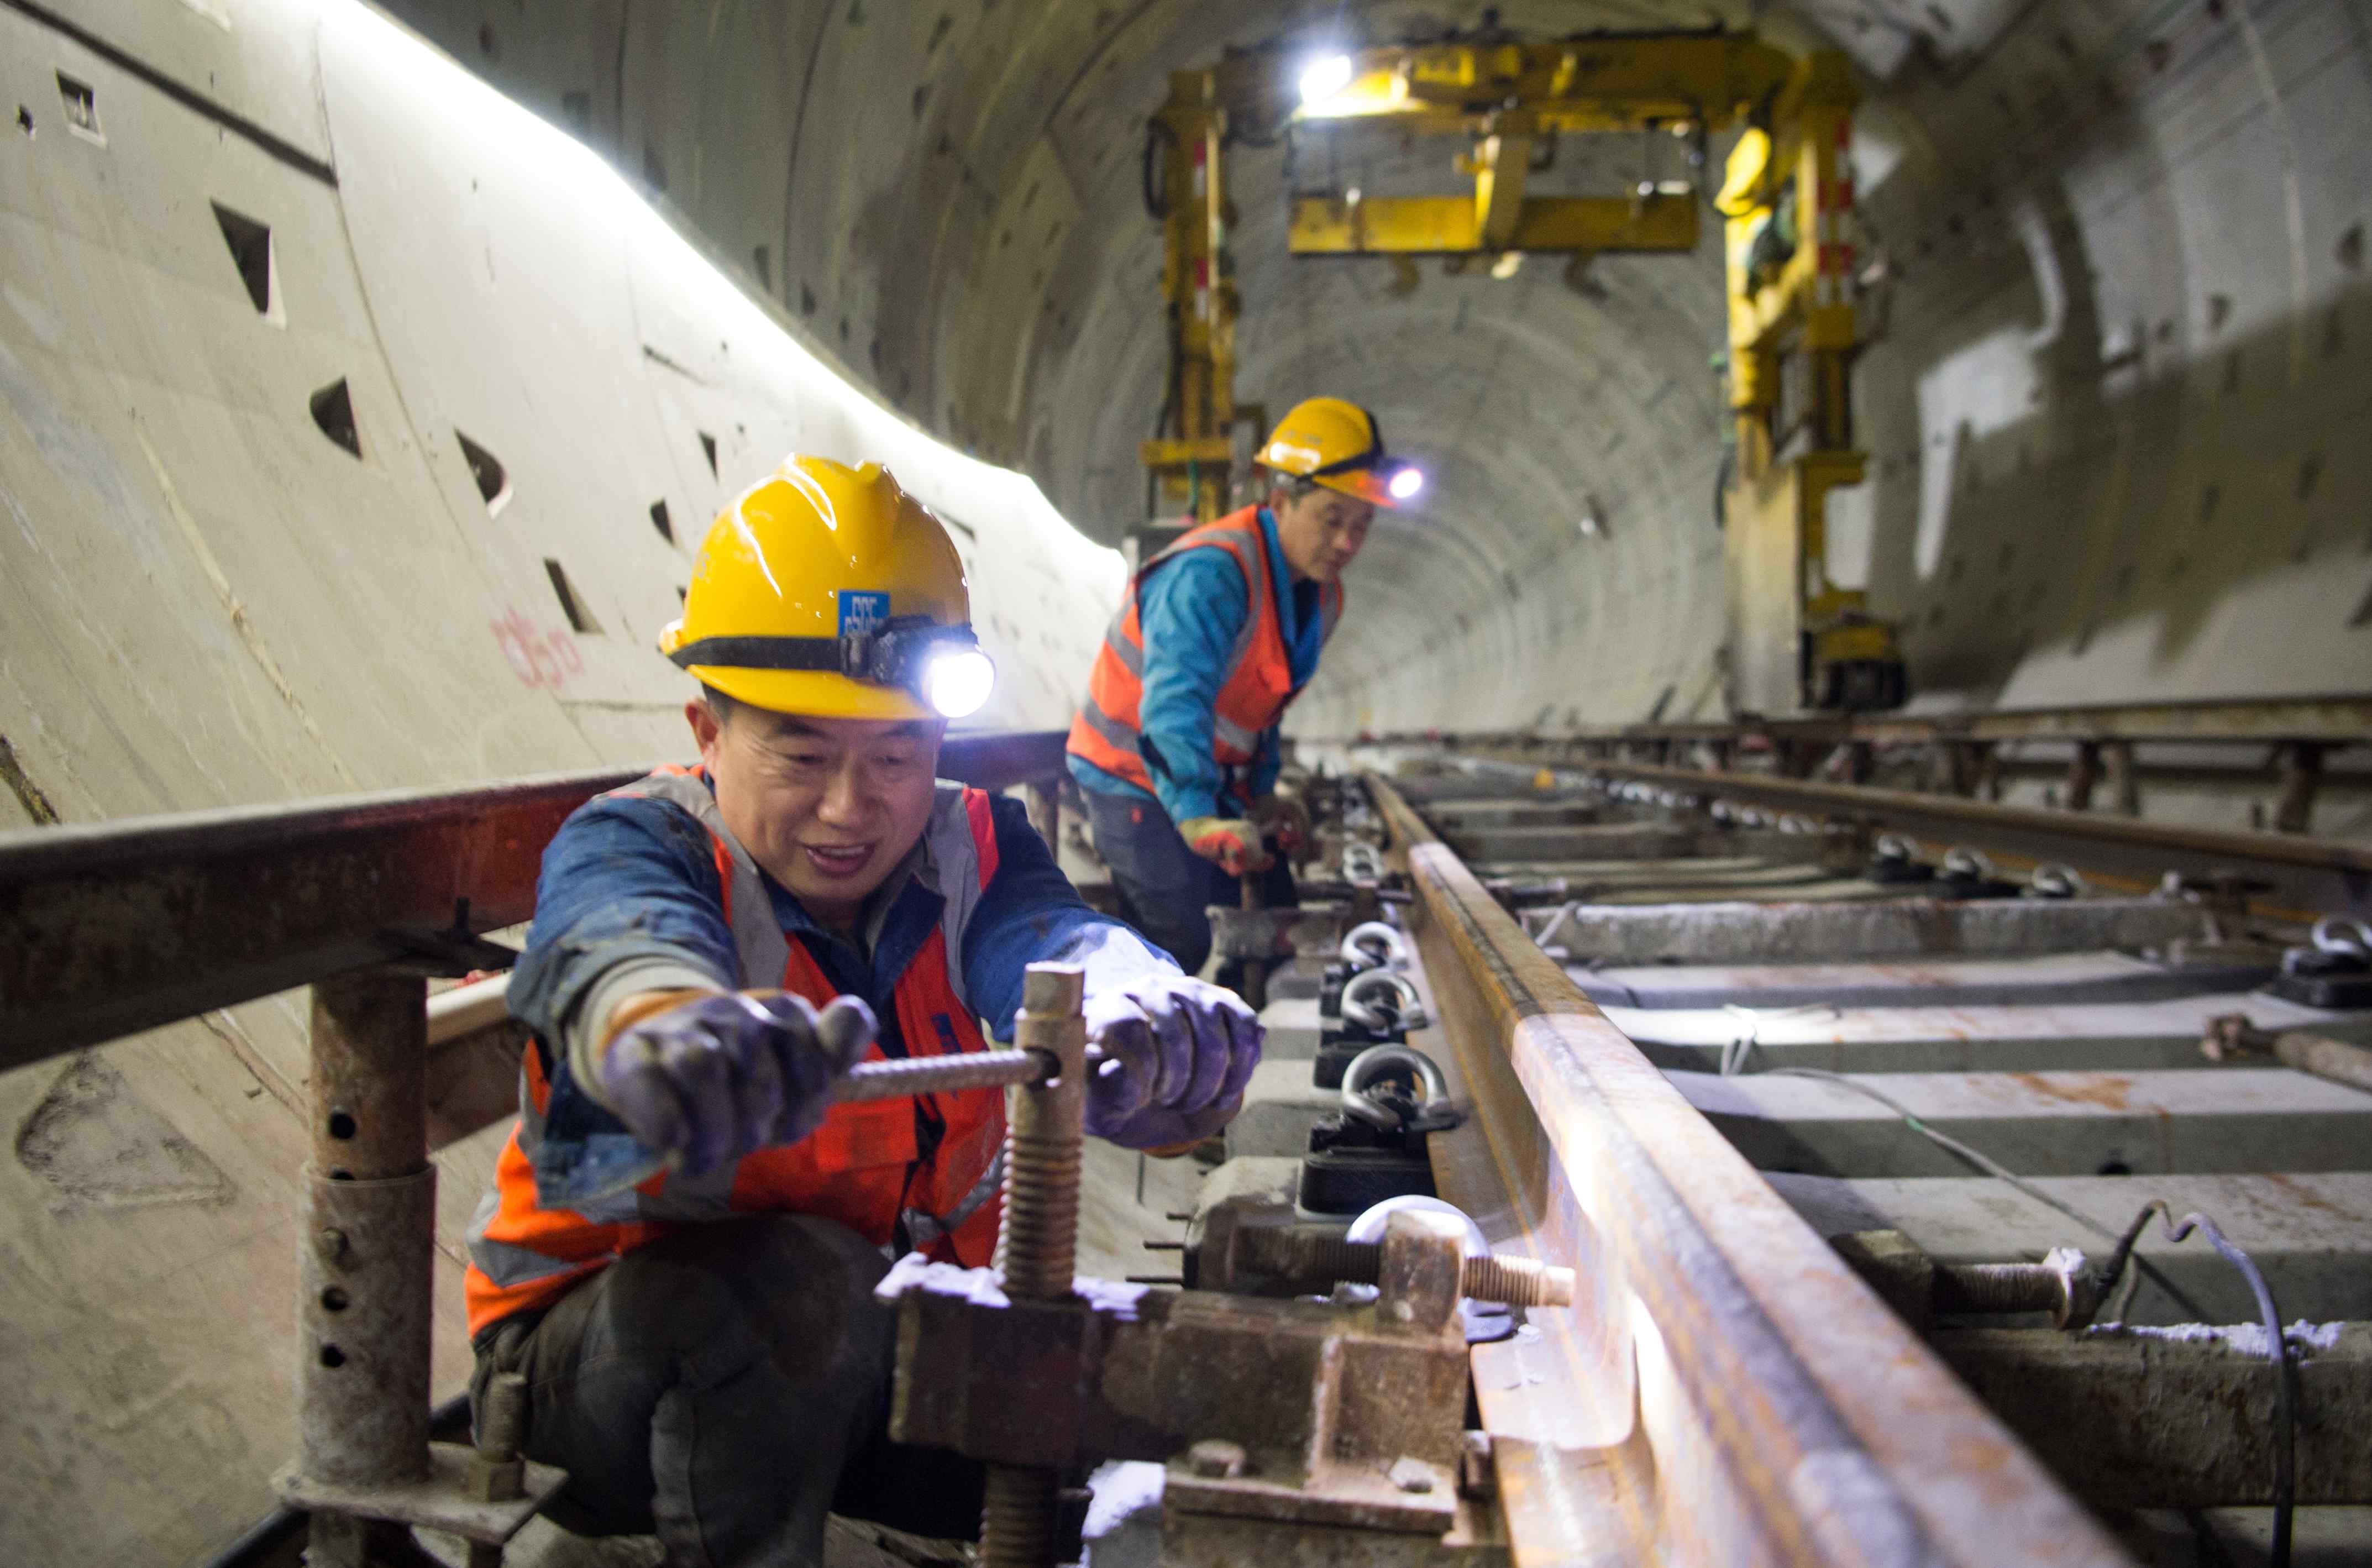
[2124,785]
[364,1468]
[1045,802]
[1037,1248]
[2301,763]
[366,1266]
[2083,773]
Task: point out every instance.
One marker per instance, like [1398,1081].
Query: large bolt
[2063,1284]
[501,1432]
[1317,1256]
[1037,1246]
[1215,1458]
[502,1473]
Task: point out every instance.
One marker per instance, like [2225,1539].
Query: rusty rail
[2337,720]
[114,927]
[2297,876]
[1727,1390]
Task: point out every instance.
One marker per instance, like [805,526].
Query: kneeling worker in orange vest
[1175,747]
[683,1235]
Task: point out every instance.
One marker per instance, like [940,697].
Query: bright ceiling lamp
[1325,77]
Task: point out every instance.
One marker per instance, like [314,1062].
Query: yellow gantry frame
[1193,465]
[1504,97]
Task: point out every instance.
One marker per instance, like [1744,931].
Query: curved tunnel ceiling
[2115,317]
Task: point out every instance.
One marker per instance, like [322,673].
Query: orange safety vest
[863,1167]
[1259,685]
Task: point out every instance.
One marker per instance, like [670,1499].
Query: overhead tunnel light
[1326,77]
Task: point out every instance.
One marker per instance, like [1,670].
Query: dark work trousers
[1164,887]
[723,1387]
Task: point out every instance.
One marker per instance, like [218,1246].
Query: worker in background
[682,1239]
[1177,747]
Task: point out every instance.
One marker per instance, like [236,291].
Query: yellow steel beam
[1326,225]
[1622,83]
[1500,165]
[1170,454]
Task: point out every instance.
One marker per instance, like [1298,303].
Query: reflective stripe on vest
[863,1167]
[1258,685]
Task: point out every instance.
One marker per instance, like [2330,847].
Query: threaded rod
[1314,1256]
[1037,1248]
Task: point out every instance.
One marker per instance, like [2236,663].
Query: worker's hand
[729,1073]
[1229,842]
[1285,822]
[1168,1057]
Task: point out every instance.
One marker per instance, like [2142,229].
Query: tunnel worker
[1177,747]
[680,1244]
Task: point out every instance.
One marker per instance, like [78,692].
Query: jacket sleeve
[1191,611]
[629,900]
[1269,761]
[1030,914]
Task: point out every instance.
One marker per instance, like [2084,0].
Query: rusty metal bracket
[1343,1414]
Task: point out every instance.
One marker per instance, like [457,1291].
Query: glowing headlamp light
[942,665]
[1406,483]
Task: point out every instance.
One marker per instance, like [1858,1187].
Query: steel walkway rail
[1728,1390]
[114,927]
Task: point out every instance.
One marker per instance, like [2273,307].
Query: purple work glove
[1176,1054]
[719,1077]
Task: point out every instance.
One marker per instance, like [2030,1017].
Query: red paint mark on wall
[538,657]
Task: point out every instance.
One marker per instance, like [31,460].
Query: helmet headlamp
[942,665]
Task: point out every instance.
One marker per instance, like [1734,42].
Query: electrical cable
[2276,1350]
[2285,1393]
[1994,1168]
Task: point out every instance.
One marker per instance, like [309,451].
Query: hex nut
[1215,1458]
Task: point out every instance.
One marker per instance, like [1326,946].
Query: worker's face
[1321,532]
[827,806]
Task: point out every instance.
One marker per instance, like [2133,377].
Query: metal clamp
[1361,943]
[2056,881]
[2345,935]
[1965,865]
[1362,862]
[1405,1010]
[1371,1064]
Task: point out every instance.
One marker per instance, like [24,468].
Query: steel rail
[2341,719]
[1780,1412]
[113,927]
[2298,877]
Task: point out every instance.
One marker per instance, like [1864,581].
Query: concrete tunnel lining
[2147,151]
[184,630]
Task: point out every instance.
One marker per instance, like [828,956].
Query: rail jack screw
[1037,1249]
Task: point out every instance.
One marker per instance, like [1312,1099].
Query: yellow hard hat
[1337,444]
[829,590]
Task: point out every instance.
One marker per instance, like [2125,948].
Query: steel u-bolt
[1037,1246]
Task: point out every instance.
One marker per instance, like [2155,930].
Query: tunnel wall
[2115,308]
[210,600]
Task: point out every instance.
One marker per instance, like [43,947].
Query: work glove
[1285,822]
[729,1073]
[1168,1057]
[1230,842]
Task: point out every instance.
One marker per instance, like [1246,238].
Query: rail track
[1817,1134]
[1821,1139]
